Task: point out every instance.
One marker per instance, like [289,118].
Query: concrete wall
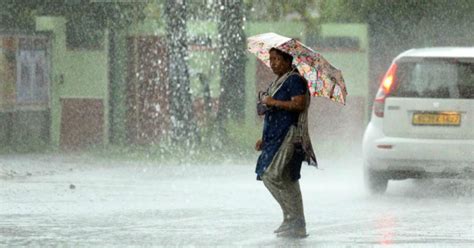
[354,64]
[74,74]
[85,73]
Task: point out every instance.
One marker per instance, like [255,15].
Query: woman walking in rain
[285,142]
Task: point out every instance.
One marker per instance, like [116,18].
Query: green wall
[354,64]
[84,73]
[74,74]
[358,30]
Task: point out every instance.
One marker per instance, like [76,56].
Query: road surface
[67,200]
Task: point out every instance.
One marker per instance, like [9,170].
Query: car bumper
[431,156]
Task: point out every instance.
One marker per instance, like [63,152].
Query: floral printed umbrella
[323,79]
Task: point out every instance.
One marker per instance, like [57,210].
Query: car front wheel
[375,181]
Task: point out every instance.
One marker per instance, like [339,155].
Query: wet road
[74,201]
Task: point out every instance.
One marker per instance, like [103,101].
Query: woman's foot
[293,229]
[285,226]
[299,232]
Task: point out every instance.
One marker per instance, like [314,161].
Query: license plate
[436,119]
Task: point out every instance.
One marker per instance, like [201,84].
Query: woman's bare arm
[296,104]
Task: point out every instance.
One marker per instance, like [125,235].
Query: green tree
[306,11]
[19,14]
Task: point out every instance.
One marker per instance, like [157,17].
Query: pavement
[80,201]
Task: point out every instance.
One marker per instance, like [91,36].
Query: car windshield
[435,78]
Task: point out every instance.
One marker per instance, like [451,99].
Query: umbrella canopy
[323,79]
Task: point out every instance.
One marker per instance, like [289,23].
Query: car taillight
[387,85]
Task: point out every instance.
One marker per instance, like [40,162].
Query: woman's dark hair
[287,57]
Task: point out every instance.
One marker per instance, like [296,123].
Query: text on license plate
[437,118]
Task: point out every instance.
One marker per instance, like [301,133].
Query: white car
[422,123]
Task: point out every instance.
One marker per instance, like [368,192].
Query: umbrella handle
[262,93]
[331,93]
